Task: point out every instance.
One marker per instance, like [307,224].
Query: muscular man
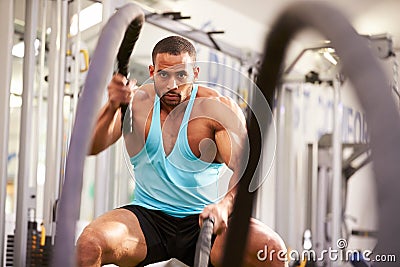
[183,134]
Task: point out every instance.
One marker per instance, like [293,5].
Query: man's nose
[172,84]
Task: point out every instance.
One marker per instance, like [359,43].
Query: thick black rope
[123,56]
[102,60]
[203,245]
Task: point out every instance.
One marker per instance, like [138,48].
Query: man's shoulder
[216,105]
[144,92]
[206,93]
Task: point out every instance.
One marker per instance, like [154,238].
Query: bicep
[231,147]
[230,133]
[232,151]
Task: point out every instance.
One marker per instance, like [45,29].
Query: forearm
[107,129]
[229,200]
[222,210]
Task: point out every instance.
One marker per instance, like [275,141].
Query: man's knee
[276,252]
[265,247]
[89,247]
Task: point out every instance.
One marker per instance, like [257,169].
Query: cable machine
[6,32]
[305,171]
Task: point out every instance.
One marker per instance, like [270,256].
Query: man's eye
[181,75]
[163,74]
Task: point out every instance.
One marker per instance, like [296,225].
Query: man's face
[173,77]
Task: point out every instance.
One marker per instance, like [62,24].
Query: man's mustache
[172,94]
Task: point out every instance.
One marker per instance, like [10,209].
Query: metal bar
[76,74]
[337,170]
[53,159]
[40,103]
[6,35]
[300,55]
[168,23]
[102,161]
[313,172]
[322,185]
[282,171]
[25,160]
[60,100]
[102,183]
[309,189]
[197,35]
[75,46]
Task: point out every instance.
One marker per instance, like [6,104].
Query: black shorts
[167,236]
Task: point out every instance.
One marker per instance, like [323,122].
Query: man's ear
[196,71]
[151,71]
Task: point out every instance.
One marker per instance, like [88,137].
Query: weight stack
[36,254]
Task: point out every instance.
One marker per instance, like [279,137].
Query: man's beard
[171,99]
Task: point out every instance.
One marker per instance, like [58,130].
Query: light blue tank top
[179,184]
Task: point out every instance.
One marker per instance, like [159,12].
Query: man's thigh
[119,236]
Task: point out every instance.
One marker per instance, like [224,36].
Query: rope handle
[203,245]
[123,57]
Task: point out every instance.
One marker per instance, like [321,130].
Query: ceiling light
[330,58]
[330,50]
[88,17]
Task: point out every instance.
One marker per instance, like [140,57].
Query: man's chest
[198,130]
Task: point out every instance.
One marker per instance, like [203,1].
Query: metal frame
[165,22]
[103,160]
[282,185]
[6,34]
[337,181]
[171,21]
[286,197]
[301,54]
[55,112]
[26,146]
[175,25]
[323,165]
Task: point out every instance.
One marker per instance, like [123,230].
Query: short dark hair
[174,45]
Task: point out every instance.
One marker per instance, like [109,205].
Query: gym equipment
[89,102]
[123,56]
[6,30]
[38,250]
[369,80]
[24,168]
[203,245]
